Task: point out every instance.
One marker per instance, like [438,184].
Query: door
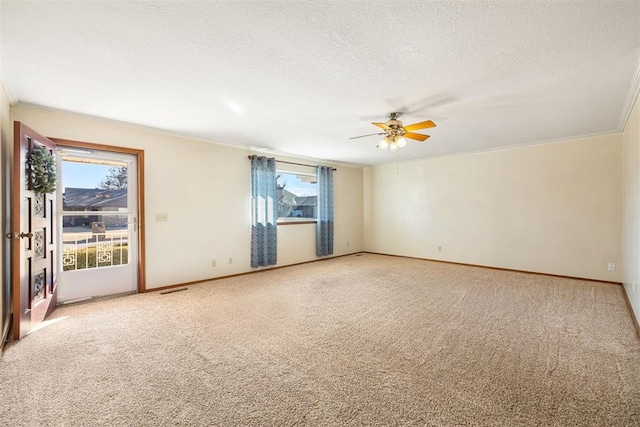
[98,216]
[33,247]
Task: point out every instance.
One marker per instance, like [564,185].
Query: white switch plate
[162,217]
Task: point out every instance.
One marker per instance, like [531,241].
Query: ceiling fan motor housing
[395,128]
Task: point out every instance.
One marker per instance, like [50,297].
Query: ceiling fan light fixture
[383,144]
[401,142]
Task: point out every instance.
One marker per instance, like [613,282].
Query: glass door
[97,217]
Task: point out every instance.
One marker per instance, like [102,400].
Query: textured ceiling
[301,77]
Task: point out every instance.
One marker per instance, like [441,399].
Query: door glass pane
[95,212]
[94,240]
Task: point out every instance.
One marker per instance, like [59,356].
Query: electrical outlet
[348,243]
[162,217]
[230,260]
[214,263]
[439,248]
[611,267]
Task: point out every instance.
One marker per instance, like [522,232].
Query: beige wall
[631,218]
[6,142]
[551,208]
[205,190]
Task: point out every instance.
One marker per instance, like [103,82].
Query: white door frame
[139,155]
[99,280]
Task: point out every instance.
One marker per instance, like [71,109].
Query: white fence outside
[94,250]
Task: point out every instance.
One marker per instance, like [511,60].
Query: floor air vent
[173,290]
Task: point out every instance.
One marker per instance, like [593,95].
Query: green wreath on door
[43,170]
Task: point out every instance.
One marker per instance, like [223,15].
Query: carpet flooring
[356,340]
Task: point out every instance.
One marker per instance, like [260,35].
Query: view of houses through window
[297,195]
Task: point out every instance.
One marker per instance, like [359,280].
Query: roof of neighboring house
[94,198]
[291,199]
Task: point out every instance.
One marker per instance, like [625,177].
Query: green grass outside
[81,256]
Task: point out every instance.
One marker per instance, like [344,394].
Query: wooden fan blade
[416,136]
[380,125]
[421,125]
[371,134]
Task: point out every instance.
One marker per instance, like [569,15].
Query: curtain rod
[297,164]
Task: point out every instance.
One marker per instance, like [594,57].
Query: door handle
[135,224]
[17,236]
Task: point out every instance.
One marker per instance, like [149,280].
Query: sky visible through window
[293,184]
[83,175]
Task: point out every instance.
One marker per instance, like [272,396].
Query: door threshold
[85,300]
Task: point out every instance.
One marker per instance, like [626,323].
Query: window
[297,195]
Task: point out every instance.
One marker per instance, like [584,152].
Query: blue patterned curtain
[324,228]
[264,218]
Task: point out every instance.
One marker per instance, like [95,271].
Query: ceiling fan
[395,133]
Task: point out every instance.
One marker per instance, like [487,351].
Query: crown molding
[634,89]
[249,149]
[502,148]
